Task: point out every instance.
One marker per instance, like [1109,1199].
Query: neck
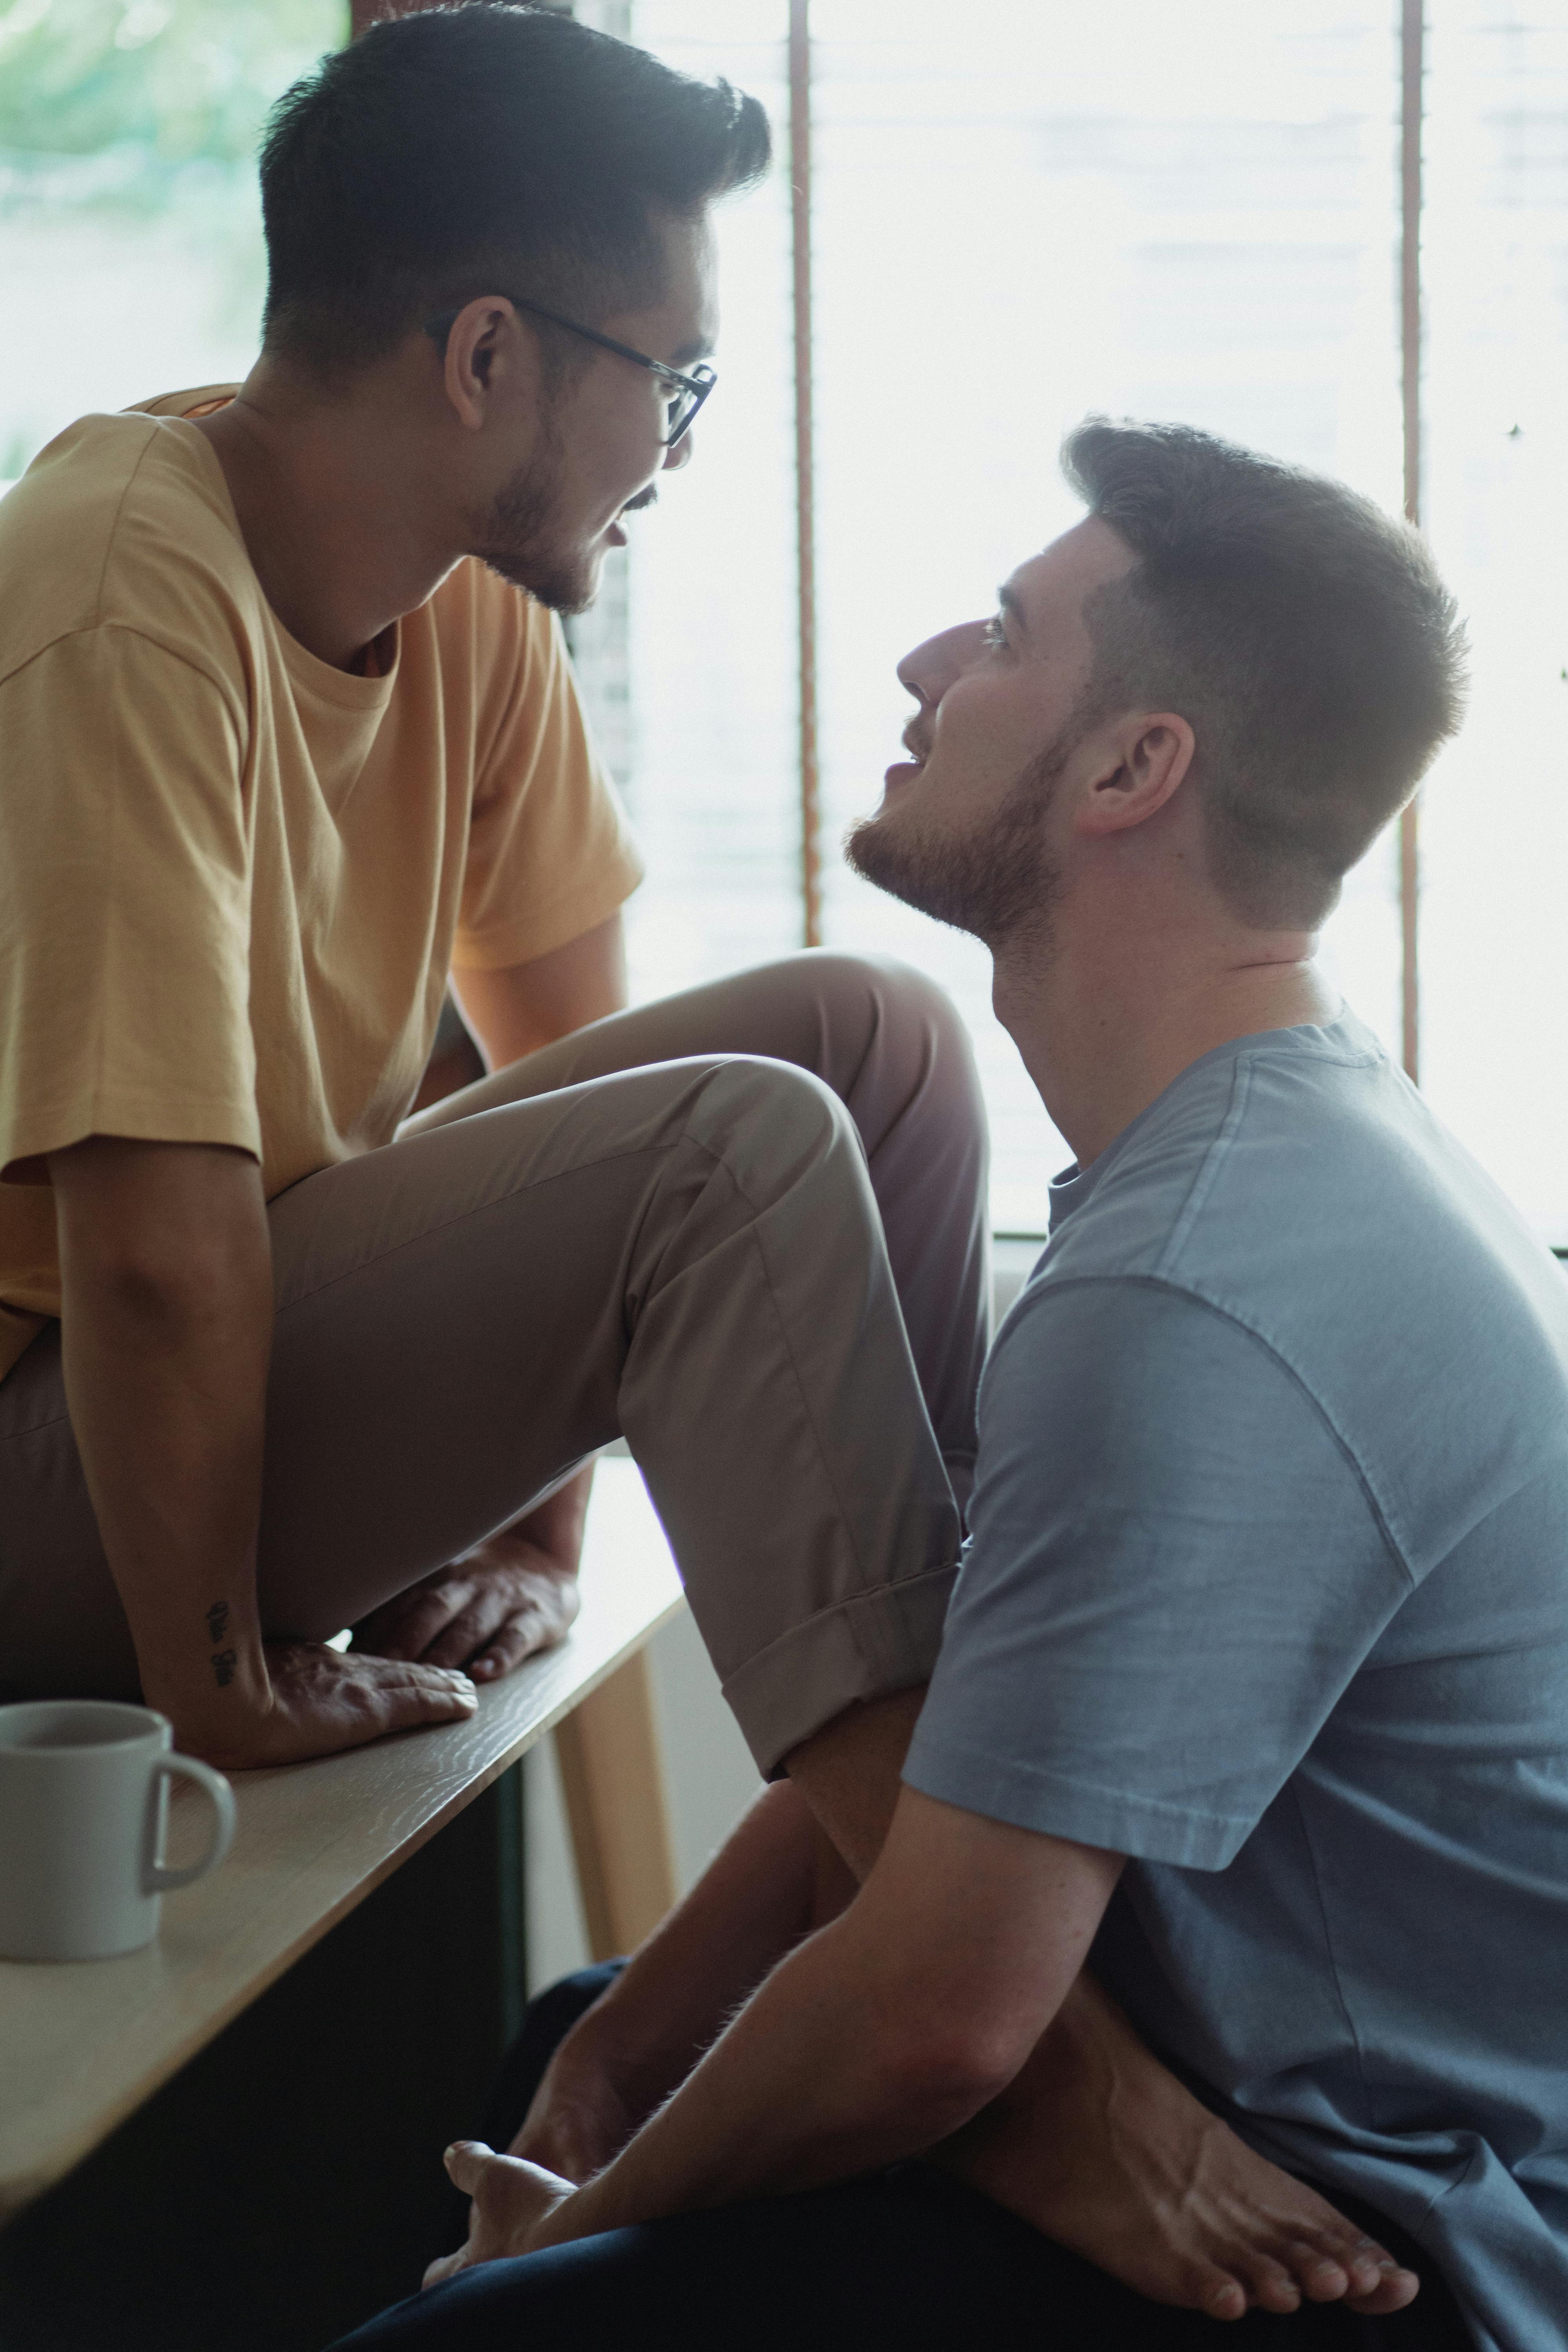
[322,490]
[1107,1012]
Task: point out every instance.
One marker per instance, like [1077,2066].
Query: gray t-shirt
[1268,1590]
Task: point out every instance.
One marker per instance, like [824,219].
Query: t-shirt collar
[1070,1188]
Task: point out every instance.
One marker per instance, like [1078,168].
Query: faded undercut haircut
[1303,633]
[482,150]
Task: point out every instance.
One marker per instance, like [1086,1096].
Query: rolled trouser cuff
[864,1647]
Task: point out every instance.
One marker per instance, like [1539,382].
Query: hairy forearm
[165,1371]
[803,2088]
[882,2033]
[767,1887]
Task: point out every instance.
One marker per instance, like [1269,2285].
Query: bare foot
[1100,2147]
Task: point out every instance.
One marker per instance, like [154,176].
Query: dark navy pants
[907,2259]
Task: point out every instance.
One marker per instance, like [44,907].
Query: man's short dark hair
[1304,633]
[481,150]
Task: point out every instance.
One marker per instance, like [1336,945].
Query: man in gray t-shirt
[1249,1730]
[1268,1590]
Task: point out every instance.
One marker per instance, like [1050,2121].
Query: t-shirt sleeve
[1174,1571]
[124,903]
[550,852]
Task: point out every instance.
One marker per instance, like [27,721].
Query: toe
[1322,2277]
[1222,2296]
[1396,2288]
[1273,2288]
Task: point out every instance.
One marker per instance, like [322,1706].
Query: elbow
[167,1290]
[941,2075]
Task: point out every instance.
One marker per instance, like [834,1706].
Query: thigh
[454,1317]
[892,1048]
[908,2258]
[869,1026]
[687,1253]
[450,1329]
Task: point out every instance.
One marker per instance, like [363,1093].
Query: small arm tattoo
[218,1620]
[224,1665]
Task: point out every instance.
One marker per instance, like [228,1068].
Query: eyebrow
[1008,599]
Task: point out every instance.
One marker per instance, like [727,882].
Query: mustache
[916,741]
[648,498]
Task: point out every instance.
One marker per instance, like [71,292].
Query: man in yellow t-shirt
[288,740]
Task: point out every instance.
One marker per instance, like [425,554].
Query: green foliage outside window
[130,257]
[151,84]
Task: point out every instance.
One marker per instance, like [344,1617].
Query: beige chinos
[656,1227]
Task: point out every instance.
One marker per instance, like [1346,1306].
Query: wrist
[573,2218]
[210,1705]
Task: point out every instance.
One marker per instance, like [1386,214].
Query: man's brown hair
[1304,635]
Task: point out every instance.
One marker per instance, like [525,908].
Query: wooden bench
[83,2045]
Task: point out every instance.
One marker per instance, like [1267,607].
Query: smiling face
[963,832]
[599,448]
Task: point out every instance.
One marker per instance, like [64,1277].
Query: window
[1145,210]
[1494,941]
[130,226]
[1151,212]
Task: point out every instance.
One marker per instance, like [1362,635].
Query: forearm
[801,2089]
[882,2033]
[165,1373]
[767,1887]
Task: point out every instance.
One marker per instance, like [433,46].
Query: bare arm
[1090,2137]
[516,1010]
[774,1880]
[871,2041]
[166,1323]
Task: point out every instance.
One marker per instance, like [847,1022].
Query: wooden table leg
[611,1774]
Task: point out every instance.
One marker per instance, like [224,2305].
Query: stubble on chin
[995,882]
[564,581]
[524,539]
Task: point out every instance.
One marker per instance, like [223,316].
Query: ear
[1146,760]
[486,354]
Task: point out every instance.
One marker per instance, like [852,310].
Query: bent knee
[774,1124]
[778,1098]
[908,1006]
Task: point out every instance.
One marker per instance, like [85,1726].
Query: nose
[680,455]
[929,670]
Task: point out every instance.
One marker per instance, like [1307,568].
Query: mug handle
[159,1879]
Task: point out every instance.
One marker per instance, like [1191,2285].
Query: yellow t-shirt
[233,878]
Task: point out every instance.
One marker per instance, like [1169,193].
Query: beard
[522,537]
[997,883]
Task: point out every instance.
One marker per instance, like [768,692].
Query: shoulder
[124,522]
[1317,1207]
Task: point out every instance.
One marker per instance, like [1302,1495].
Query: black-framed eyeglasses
[688,393]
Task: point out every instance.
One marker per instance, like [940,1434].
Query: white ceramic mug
[84,1799]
